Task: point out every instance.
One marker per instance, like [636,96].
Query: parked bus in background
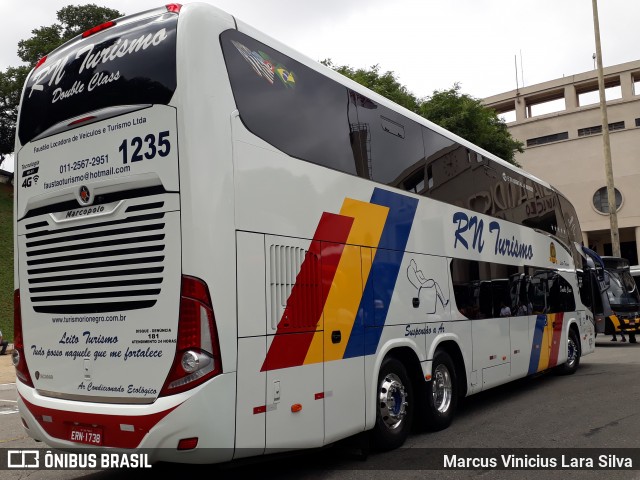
[635,273]
[623,300]
[225,249]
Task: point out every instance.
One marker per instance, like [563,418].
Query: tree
[385,84]
[459,113]
[470,119]
[73,20]
[11,82]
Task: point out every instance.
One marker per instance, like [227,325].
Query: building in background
[560,124]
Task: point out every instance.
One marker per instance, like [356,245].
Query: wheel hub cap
[392,401]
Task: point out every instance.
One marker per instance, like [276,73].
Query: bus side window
[500,296]
[566,292]
[538,295]
[523,304]
[485,299]
[553,297]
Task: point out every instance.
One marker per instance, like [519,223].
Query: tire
[395,406]
[442,393]
[574,353]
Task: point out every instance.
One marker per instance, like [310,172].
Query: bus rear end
[111,339]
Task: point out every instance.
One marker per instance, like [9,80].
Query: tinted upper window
[309,116]
[293,107]
[394,148]
[574,232]
[133,63]
[622,288]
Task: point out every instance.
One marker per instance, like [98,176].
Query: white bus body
[184,285]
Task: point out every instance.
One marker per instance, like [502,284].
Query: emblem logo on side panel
[84,195]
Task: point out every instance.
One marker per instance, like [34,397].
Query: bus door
[541,328]
[519,324]
[553,303]
[594,283]
[344,370]
[490,333]
[280,371]
[298,274]
[315,360]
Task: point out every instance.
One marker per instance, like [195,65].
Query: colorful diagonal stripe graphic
[289,349]
[360,252]
[341,307]
[545,346]
[381,283]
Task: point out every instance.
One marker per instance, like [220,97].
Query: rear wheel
[395,406]
[573,354]
[442,393]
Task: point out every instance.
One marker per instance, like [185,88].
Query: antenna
[515,60]
[521,70]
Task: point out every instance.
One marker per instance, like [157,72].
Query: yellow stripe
[341,307]
[616,322]
[545,347]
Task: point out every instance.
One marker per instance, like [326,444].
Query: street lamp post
[611,191]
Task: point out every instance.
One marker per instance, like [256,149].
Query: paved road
[598,407]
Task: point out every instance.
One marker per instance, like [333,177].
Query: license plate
[88,435]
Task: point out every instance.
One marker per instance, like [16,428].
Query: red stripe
[555,343]
[309,294]
[112,435]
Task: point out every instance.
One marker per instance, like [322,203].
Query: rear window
[129,64]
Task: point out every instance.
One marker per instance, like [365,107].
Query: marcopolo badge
[84,196]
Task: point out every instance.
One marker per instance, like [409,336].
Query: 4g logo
[30,177]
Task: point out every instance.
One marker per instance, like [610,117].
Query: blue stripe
[538,333]
[378,291]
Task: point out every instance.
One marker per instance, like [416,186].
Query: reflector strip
[98,28]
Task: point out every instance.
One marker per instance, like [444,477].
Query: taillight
[98,28]
[174,7]
[197,356]
[18,358]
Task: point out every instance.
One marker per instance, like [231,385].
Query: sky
[486,46]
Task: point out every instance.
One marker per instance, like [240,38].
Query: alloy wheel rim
[442,388]
[573,353]
[393,401]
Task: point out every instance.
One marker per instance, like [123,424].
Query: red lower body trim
[119,431]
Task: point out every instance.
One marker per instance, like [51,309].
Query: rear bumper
[628,329]
[206,413]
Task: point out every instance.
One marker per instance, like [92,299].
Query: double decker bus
[225,249]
